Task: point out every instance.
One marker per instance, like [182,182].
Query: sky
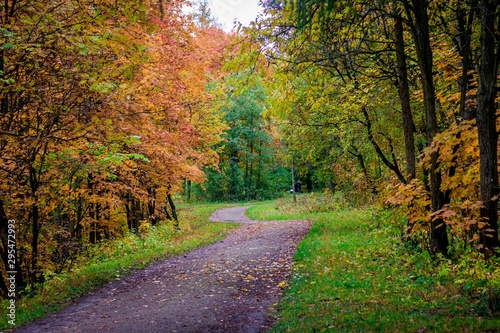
[226,11]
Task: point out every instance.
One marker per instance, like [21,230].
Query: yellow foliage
[416,199]
[458,151]
[144,228]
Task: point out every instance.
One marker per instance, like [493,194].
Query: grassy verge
[116,259]
[351,274]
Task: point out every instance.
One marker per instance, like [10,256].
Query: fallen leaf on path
[282,284]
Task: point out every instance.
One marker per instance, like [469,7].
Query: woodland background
[110,110]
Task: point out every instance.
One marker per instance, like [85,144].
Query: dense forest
[113,109]
[104,114]
[396,99]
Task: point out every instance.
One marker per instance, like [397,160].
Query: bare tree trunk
[174,211]
[331,186]
[419,24]
[486,123]
[404,96]
[354,151]
[465,21]
[35,227]
[162,10]
[391,165]
[35,230]
[293,181]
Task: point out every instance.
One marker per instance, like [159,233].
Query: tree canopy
[385,95]
[103,115]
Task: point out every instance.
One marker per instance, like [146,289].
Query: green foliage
[338,84]
[247,168]
[352,273]
[321,96]
[286,209]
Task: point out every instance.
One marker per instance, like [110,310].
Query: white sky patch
[227,11]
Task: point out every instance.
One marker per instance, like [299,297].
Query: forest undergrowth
[115,259]
[353,273]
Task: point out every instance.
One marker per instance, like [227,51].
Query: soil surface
[229,286]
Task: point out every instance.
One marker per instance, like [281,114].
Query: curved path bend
[228,286]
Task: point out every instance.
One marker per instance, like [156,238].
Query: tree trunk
[152,217]
[35,230]
[486,124]
[361,161]
[404,96]
[391,165]
[464,25]
[77,228]
[188,190]
[419,24]
[406,115]
[174,212]
[35,226]
[293,181]
[331,186]
[162,10]
[167,214]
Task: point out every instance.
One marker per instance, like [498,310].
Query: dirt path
[225,287]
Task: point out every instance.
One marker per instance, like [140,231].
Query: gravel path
[228,286]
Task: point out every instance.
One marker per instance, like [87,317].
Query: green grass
[351,274]
[114,260]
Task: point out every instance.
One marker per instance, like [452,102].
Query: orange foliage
[103,117]
[458,150]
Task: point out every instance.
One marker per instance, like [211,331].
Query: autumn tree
[429,50]
[46,94]
[342,45]
[102,118]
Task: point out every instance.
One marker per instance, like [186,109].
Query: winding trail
[228,286]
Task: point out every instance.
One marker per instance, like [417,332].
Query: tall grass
[115,259]
[352,274]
